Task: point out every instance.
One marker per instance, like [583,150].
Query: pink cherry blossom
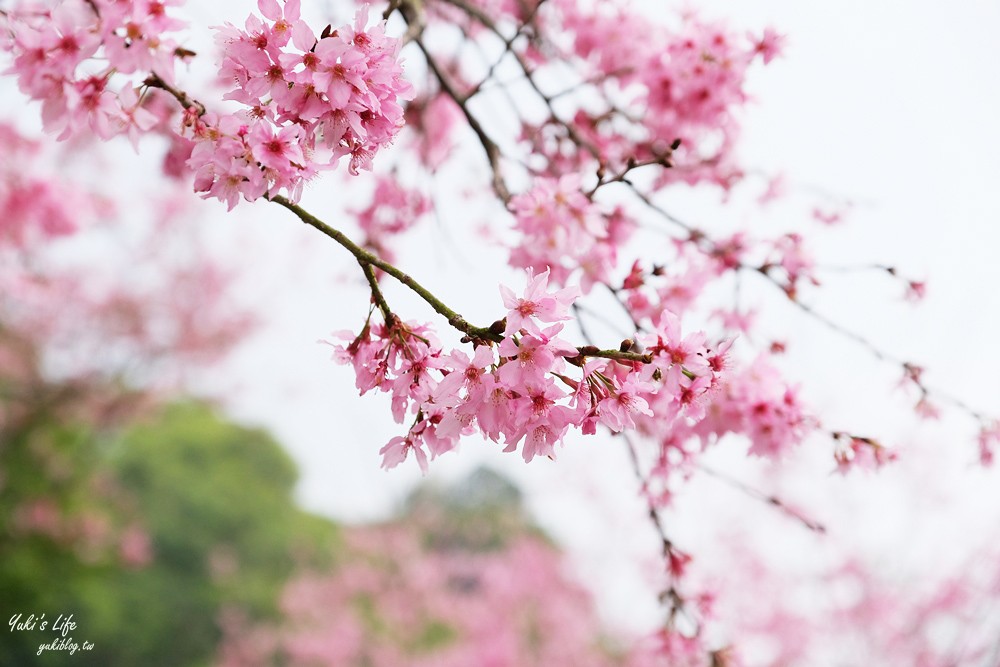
[537,303]
[989,438]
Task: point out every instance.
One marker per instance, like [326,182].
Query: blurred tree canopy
[482,512]
[146,533]
[461,577]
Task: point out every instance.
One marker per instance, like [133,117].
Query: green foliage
[434,636]
[211,491]
[216,502]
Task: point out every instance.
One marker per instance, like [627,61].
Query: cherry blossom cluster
[159,295]
[431,120]
[562,231]
[932,617]
[758,403]
[561,225]
[309,102]
[394,208]
[435,607]
[84,61]
[677,84]
[860,452]
[752,402]
[696,262]
[649,92]
[36,209]
[522,390]
[648,290]
[793,261]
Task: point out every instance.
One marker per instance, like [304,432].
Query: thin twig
[367,258]
[487,22]
[493,153]
[770,499]
[632,164]
[154,81]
